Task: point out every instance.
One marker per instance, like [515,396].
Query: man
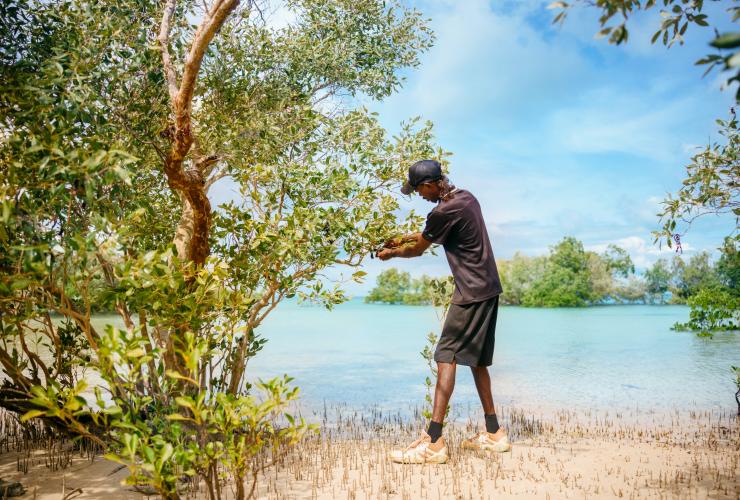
[468,334]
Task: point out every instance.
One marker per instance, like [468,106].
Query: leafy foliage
[693,276]
[568,276]
[712,184]
[677,16]
[395,287]
[712,309]
[518,275]
[728,266]
[658,281]
[717,307]
[117,119]
[710,291]
[566,279]
[571,276]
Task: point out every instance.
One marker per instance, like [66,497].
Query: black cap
[421,172]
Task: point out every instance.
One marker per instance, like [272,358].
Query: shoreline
[570,455]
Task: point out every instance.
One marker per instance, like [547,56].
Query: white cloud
[483,58]
[642,251]
[604,121]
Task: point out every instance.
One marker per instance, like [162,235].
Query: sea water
[621,357]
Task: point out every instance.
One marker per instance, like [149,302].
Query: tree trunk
[240,362]
[189,183]
[184,231]
[193,230]
[239,480]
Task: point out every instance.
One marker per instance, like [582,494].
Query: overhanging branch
[190,183]
[164,43]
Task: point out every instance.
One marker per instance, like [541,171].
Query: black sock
[491,423]
[435,430]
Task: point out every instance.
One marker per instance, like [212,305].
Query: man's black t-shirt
[457,224]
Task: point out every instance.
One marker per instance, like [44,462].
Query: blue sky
[556,132]
[559,133]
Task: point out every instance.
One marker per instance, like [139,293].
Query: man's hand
[385,254]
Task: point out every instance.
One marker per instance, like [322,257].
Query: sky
[558,133]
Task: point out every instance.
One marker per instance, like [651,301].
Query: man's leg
[495,438]
[483,384]
[434,450]
[442,394]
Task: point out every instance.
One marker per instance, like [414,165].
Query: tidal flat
[568,454]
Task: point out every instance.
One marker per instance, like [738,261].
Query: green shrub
[712,310]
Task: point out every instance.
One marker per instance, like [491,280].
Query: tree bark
[192,235]
[184,231]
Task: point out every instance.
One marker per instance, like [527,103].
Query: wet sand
[565,455]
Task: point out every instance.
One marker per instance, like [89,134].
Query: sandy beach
[565,455]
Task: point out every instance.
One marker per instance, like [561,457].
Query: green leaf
[700,21]
[726,41]
[176,417]
[32,414]
[20,284]
[186,402]
[179,376]
[112,410]
[136,353]
[167,451]
[114,458]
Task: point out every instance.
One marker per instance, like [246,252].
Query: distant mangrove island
[570,276]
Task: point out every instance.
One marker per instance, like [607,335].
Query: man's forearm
[400,241]
[405,252]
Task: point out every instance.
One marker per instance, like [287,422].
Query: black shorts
[469,334]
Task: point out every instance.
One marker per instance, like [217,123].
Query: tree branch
[203,36]
[190,183]
[217,176]
[164,43]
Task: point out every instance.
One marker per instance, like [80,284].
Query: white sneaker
[422,451]
[485,441]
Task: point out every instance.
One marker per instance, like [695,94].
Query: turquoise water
[603,358]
